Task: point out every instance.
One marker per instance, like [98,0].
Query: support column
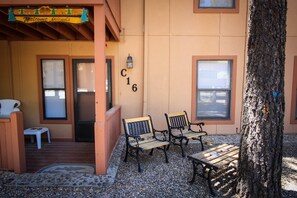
[101,159]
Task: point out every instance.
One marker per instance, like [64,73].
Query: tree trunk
[260,158]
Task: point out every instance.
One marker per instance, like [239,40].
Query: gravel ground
[158,178]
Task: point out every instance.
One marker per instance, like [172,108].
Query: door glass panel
[85,77]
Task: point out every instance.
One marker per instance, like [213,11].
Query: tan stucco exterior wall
[169,34]
[291,51]
[6,72]
[163,35]
[131,43]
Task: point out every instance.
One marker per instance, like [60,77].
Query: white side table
[37,131]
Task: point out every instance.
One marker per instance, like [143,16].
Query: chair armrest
[163,132]
[200,124]
[199,131]
[136,138]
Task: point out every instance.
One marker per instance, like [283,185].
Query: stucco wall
[6,72]
[163,35]
[171,35]
[131,43]
[291,51]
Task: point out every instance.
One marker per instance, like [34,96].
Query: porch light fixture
[129,62]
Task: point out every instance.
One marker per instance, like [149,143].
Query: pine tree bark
[260,158]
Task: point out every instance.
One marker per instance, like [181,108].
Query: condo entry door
[84,99]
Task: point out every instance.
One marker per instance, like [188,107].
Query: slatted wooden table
[213,159]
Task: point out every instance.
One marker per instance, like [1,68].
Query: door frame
[72,92]
[89,123]
[72,87]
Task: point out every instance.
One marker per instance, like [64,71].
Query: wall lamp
[129,62]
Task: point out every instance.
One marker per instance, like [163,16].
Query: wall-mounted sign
[48,14]
[124,74]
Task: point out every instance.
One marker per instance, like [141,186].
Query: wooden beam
[112,24]
[90,24]
[83,30]
[19,27]
[101,139]
[91,17]
[11,33]
[3,37]
[62,29]
[4,10]
[45,30]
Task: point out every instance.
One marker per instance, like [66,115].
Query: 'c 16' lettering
[124,74]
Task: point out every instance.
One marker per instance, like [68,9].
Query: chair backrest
[7,106]
[177,120]
[138,126]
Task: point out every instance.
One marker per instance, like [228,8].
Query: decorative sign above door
[48,14]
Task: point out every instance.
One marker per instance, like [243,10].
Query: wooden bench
[141,135]
[179,128]
[213,159]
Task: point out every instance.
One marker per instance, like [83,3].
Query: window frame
[41,89]
[293,119]
[195,59]
[196,8]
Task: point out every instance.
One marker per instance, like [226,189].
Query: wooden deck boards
[58,152]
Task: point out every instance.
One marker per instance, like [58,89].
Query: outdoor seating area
[158,179]
[141,135]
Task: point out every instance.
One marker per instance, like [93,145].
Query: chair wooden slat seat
[180,129]
[141,135]
[188,134]
[151,144]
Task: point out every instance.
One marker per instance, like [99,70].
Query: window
[216,6]
[53,89]
[294,94]
[213,89]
